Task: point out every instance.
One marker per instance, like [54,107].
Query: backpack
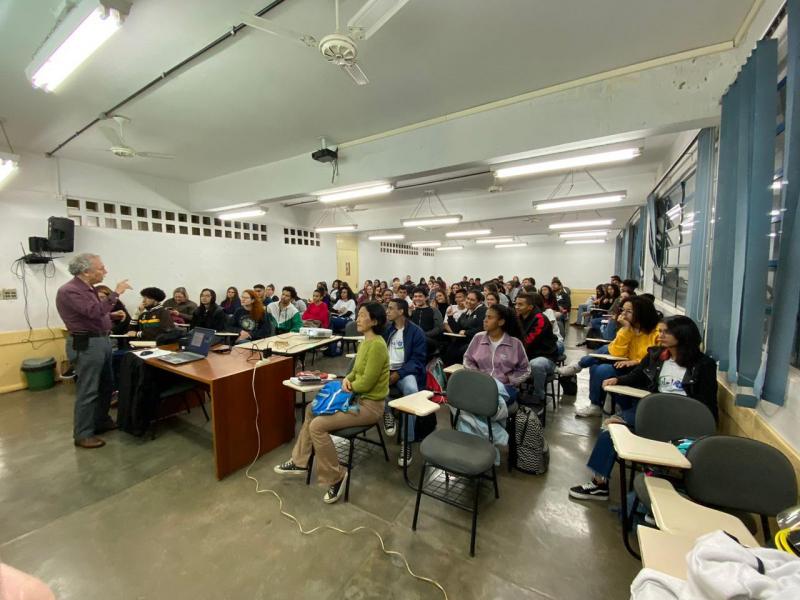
[569,385]
[532,451]
[332,399]
[435,381]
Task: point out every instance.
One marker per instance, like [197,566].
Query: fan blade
[356,73]
[372,16]
[112,135]
[154,155]
[273,28]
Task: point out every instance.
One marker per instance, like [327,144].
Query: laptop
[196,349]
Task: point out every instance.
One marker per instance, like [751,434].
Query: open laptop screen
[200,341]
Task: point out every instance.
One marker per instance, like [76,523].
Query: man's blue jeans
[407,385]
[541,367]
[603,457]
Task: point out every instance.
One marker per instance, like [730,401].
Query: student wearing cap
[154,318]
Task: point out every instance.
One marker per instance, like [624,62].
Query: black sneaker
[590,491]
[336,491]
[289,468]
[406,455]
[389,424]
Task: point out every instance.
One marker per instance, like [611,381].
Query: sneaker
[650,520]
[592,410]
[406,455]
[289,468]
[336,491]
[590,491]
[389,424]
[569,370]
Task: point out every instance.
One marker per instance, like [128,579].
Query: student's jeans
[94,383]
[541,368]
[339,323]
[608,331]
[602,459]
[583,310]
[513,394]
[407,385]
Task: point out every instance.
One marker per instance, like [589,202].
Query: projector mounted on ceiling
[338,48]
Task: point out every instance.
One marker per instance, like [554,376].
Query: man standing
[539,341]
[88,320]
[407,354]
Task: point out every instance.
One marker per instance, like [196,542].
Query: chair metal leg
[474,517]
[383,444]
[349,469]
[494,480]
[201,399]
[626,520]
[765,528]
[512,442]
[419,495]
[309,466]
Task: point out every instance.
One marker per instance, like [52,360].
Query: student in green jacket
[284,313]
[369,381]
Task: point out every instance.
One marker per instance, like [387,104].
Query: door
[347,260]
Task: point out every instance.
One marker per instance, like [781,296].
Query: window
[296,237]
[395,248]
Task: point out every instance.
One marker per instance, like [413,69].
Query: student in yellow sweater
[369,381]
[637,332]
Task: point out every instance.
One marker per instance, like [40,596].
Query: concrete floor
[148,520]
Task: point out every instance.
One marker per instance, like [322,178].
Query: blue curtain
[637,271]
[625,252]
[787,283]
[618,256]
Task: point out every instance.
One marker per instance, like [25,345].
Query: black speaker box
[60,234]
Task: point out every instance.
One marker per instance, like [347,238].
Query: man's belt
[90,334]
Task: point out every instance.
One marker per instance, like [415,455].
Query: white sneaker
[592,410]
[389,424]
[406,455]
[569,370]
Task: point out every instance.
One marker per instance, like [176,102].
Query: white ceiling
[258,99]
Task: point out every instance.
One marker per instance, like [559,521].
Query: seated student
[469,323]
[386,297]
[326,298]
[441,304]
[612,302]
[428,319]
[402,293]
[287,318]
[546,292]
[231,302]
[367,295]
[591,302]
[491,288]
[369,381]
[451,297]
[337,283]
[550,314]
[541,344]
[179,306]
[563,303]
[343,310]
[317,310]
[120,317]
[616,280]
[675,366]
[297,302]
[269,294]
[154,319]
[208,314]
[637,333]
[498,350]
[251,319]
[491,299]
[528,281]
[455,310]
[260,290]
[407,359]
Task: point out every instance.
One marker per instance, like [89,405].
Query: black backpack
[532,451]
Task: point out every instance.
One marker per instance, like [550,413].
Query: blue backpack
[332,398]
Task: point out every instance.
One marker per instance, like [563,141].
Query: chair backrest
[350,329]
[474,392]
[667,417]
[740,474]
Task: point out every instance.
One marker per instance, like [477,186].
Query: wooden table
[419,405]
[292,344]
[664,551]
[631,447]
[229,379]
[456,335]
[626,390]
[453,369]
[678,515]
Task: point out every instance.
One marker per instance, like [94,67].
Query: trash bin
[39,372]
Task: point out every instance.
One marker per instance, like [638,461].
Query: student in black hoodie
[154,319]
[469,323]
[208,314]
[429,319]
[541,344]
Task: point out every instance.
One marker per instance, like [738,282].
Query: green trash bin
[39,372]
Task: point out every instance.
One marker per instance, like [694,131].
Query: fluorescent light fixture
[335,228]
[8,164]
[83,30]
[517,245]
[468,233]
[355,193]
[231,207]
[443,248]
[585,242]
[497,240]
[574,162]
[388,236]
[241,214]
[372,16]
[426,221]
[425,244]
[675,210]
[580,224]
[584,234]
[576,201]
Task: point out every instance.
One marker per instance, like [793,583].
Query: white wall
[373,264]
[158,259]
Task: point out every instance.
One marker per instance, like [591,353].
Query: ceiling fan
[119,148]
[338,48]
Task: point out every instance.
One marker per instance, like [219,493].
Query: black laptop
[196,349]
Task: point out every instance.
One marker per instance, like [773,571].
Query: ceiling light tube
[443,248]
[574,162]
[425,244]
[388,236]
[429,221]
[335,228]
[579,224]
[231,207]
[585,242]
[497,240]
[355,193]
[578,201]
[241,214]
[8,164]
[83,30]
[584,234]
[517,245]
[468,233]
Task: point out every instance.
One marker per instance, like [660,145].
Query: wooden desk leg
[626,518]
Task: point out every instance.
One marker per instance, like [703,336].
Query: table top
[458,335]
[418,404]
[665,552]
[602,340]
[642,450]
[310,387]
[294,343]
[353,338]
[214,366]
[453,368]
[142,344]
[626,390]
[680,516]
[608,356]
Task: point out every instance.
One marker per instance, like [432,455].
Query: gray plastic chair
[739,474]
[461,453]
[350,330]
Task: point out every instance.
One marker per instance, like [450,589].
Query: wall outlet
[9,293]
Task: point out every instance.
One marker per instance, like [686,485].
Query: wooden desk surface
[602,340]
[215,366]
[295,343]
[458,335]
[650,452]
[665,552]
[607,357]
[453,368]
[308,388]
[626,390]
[418,404]
[680,516]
